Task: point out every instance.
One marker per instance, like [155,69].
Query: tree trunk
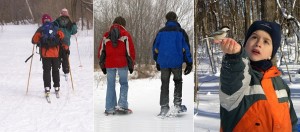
[268,9]
[247,14]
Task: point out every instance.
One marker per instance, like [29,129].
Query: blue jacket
[171,46]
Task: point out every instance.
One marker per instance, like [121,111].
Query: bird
[219,35]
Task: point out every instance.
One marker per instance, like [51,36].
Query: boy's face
[259,46]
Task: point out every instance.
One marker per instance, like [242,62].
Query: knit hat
[64,12]
[272,28]
[120,20]
[171,16]
[46,16]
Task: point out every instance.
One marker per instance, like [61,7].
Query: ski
[57,94]
[66,77]
[48,97]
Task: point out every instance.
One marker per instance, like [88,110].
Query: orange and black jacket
[254,101]
[50,52]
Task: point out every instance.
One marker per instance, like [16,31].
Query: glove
[188,68]
[68,51]
[130,70]
[102,67]
[103,70]
[157,66]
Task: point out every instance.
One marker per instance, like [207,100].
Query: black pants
[49,63]
[165,80]
[64,58]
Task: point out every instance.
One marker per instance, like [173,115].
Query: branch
[294,5]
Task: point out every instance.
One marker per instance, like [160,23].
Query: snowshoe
[123,111]
[109,113]
[163,113]
[180,108]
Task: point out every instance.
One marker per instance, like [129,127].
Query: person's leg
[111,101]
[46,73]
[177,72]
[123,74]
[55,73]
[164,93]
[65,61]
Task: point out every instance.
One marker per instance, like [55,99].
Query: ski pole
[70,73]
[30,69]
[78,51]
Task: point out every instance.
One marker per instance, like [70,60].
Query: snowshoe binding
[123,111]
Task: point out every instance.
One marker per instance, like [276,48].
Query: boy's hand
[230,46]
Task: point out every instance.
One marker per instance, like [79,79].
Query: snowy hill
[21,112]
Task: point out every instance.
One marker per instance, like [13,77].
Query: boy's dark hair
[171,16]
[120,20]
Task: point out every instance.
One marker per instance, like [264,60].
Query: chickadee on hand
[219,35]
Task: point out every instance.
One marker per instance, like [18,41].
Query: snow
[143,99]
[73,111]
[208,117]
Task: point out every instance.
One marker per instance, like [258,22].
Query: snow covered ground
[143,98]
[27,113]
[208,119]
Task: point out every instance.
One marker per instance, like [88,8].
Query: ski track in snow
[143,99]
[73,111]
[208,117]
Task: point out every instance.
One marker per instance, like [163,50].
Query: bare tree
[24,11]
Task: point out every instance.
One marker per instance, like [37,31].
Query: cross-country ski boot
[47,94]
[56,91]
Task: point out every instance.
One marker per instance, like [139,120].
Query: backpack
[49,35]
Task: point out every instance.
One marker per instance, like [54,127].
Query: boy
[171,49]
[49,54]
[253,96]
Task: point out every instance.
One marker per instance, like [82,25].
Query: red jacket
[116,55]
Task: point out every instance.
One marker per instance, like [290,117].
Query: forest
[143,20]
[30,11]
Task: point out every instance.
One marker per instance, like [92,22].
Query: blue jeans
[111,98]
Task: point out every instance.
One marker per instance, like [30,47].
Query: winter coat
[171,46]
[116,56]
[50,52]
[254,101]
[69,29]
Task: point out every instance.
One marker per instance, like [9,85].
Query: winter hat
[64,12]
[120,20]
[46,16]
[272,28]
[171,16]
